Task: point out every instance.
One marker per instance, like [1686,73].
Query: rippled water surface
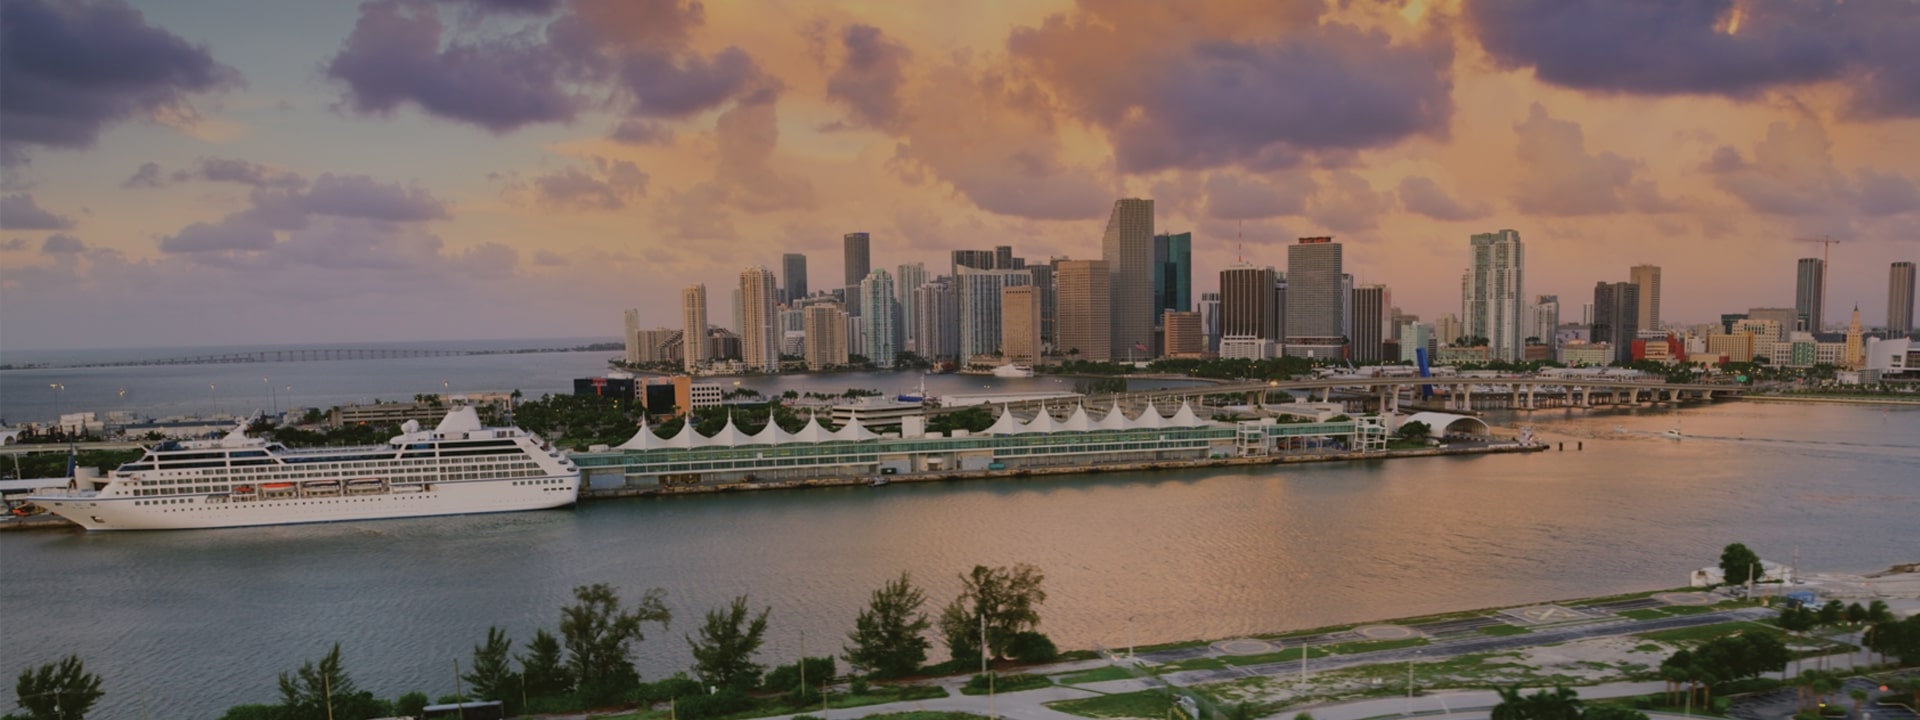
[196,621]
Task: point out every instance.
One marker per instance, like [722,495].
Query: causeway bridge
[1449,393]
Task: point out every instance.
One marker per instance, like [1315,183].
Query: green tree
[321,692]
[889,637]
[960,628]
[1611,712]
[1560,703]
[597,632]
[492,676]
[1008,599]
[412,704]
[1415,429]
[61,690]
[723,654]
[1739,564]
[542,669]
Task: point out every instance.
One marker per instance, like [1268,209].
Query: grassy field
[1149,704]
[1101,674]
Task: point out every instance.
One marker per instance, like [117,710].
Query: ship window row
[538,482]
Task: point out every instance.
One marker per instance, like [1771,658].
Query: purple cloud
[246,173]
[363,197]
[59,244]
[515,7]
[1234,197]
[869,80]
[71,69]
[609,187]
[147,176]
[666,86]
[397,55]
[19,212]
[14,245]
[1419,194]
[235,233]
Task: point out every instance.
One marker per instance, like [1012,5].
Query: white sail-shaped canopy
[643,440]
[1115,419]
[1077,421]
[772,434]
[686,439]
[1006,425]
[854,431]
[1042,422]
[728,436]
[811,432]
[1150,418]
[1185,417]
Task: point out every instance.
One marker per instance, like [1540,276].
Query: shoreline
[1834,399]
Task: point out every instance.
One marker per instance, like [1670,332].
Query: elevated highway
[1456,393]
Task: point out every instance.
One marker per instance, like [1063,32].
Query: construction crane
[1826,245]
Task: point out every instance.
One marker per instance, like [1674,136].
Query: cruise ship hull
[93,512]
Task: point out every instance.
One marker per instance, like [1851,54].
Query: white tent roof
[1042,422]
[1005,425]
[460,419]
[1077,421]
[728,436]
[686,439]
[811,432]
[772,434]
[1150,418]
[1115,419]
[642,440]
[1185,417]
[854,431]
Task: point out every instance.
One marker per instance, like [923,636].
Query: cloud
[609,186]
[868,81]
[147,176]
[641,132]
[515,7]
[1559,177]
[1348,203]
[746,135]
[242,172]
[666,86]
[1791,172]
[19,212]
[548,258]
[1711,47]
[59,244]
[14,245]
[72,69]
[397,55]
[235,233]
[1235,197]
[1886,194]
[1173,94]
[1419,194]
[363,197]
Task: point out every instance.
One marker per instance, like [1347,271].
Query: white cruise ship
[457,468]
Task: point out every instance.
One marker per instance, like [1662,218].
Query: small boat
[1013,370]
[1673,434]
[877,482]
[1620,429]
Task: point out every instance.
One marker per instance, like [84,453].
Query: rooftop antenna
[1240,241]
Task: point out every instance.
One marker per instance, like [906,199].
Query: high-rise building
[976,259]
[1785,320]
[1810,294]
[938,323]
[1492,294]
[826,330]
[793,272]
[1447,329]
[693,326]
[1085,319]
[1043,283]
[1414,337]
[978,295]
[1210,320]
[881,323]
[1616,317]
[855,246]
[1127,247]
[633,335]
[1647,277]
[1855,352]
[1278,330]
[1314,279]
[759,327]
[1020,323]
[1546,318]
[1900,299]
[1184,337]
[1370,320]
[909,276]
[1249,306]
[1172,272]
[1003,257]
[739,311]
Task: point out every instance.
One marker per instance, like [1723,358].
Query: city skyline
[299,172]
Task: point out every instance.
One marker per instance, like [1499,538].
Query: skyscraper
[1900,299]
[693,326]
[881,321]
[1184,338]
[1127,247]
[826,330]
[1043,282]
[976,259]
[938,324]
[1648,278]
[759,327]
[1370,320]
[632,335]
[1085,320]
[1248,303]
[793,272]
[1172,272]
[1020,323]
[1492,294]
[1616,317]
[857,266]
[1546,318]
[1313,292]
[908,277]
[1810,294]
[1003,257]
[1210,320]
[978,295]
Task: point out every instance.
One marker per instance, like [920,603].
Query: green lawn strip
[1199,663]
[1292,653]
[927,715]
[1703,633]
[1005,684]
[1644,614]
[1099,674]
[1367,646]
[1693,609]
[1655,703]
[1147,704]
[1504,630]
[1173,646]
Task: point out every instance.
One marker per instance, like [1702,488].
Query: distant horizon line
[344,344]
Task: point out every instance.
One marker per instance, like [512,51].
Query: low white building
[1246,346]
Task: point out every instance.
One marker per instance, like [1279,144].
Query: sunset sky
[185,172]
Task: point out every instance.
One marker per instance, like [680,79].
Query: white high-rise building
[633,335]
[881,319]
[978,296]
[908,277]
[693,326]
[938,322]
[1127,247]
[759,326]
[1492,294]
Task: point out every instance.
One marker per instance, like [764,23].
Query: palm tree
[1859,696]
[1512,706]
[1562,703]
